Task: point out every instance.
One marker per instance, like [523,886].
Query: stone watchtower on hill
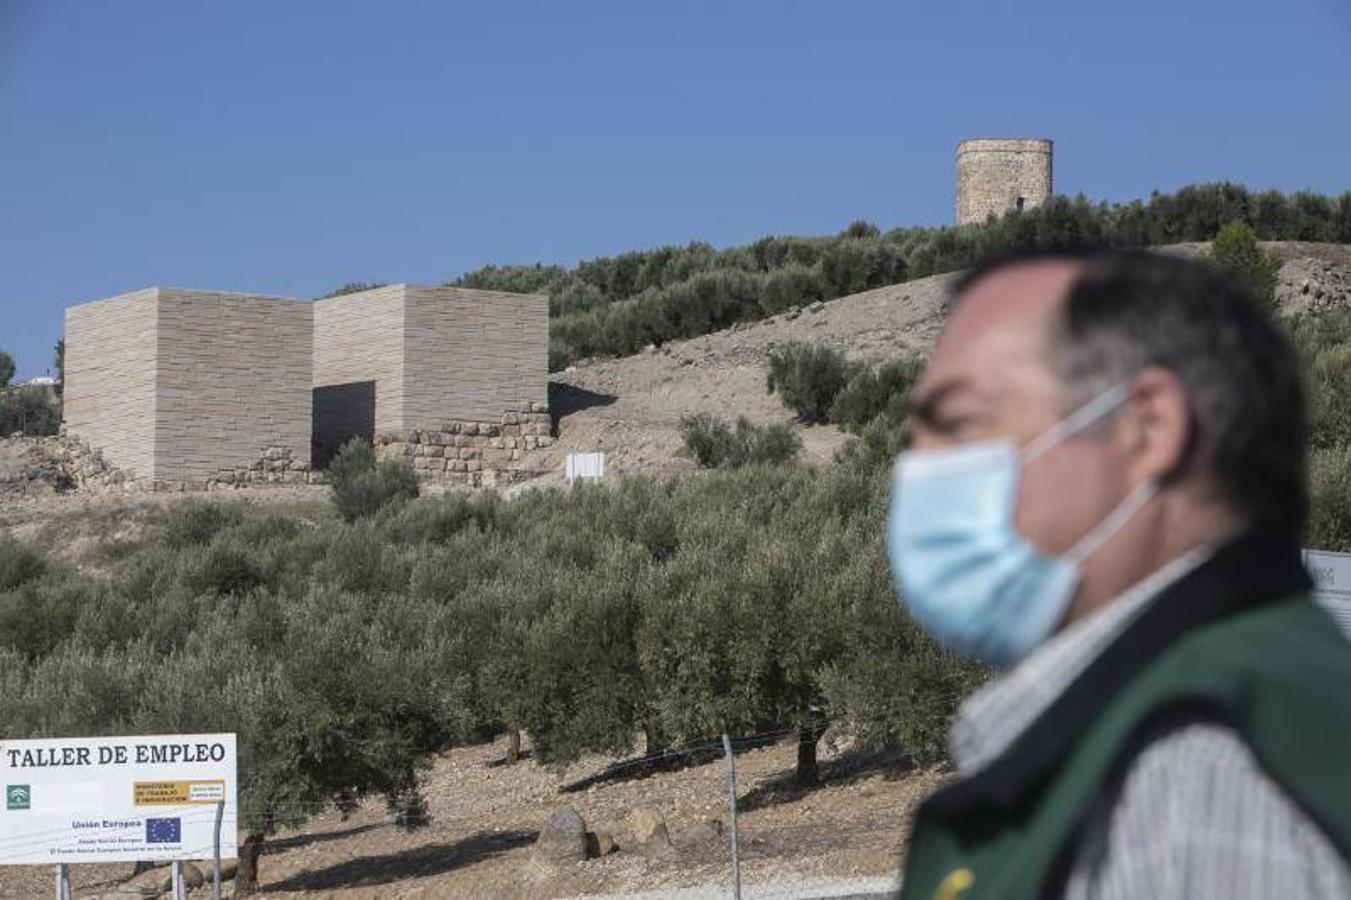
[1000,175]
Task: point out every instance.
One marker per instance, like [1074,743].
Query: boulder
[562,840]
[707,830]
[650,834]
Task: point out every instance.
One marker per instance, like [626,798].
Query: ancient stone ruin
[1001,175]
[174,389]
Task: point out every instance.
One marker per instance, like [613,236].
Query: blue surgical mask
[963,569]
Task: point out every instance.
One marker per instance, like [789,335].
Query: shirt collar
[996,715]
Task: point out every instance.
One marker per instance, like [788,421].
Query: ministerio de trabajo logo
[18,796]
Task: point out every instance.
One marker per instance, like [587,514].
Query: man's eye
[951,424]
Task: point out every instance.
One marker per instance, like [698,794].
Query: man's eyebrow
[925,408]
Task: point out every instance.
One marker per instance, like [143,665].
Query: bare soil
[485,817]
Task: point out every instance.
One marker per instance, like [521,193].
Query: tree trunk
[514,746]
[246,877]
[656,742]
[807,772]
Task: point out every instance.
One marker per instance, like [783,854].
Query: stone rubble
[1310,285]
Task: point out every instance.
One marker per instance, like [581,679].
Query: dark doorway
[341,412]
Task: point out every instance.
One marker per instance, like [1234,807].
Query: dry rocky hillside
[630,407]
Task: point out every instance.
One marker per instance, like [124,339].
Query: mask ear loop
[1077,421]
[1100,533]
[1072,424]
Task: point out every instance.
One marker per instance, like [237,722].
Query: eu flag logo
[163,831]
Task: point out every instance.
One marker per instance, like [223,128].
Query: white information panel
[1332,583]
[585,465]
[116,799]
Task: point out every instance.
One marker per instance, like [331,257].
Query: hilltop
[631,406]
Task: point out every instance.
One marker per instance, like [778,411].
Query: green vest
[1235,642]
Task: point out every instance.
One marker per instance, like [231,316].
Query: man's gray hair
[1127,310]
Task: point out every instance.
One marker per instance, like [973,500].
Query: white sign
[585,465]
[117,799]
[1331,574]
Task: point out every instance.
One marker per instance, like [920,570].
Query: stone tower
[999,175]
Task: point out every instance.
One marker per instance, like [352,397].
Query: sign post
[166,798]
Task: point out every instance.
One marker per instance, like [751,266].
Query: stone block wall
[469,354]
[994,173]
[359,338]
[170,388]
[111,358]
[174,385]
[233,388]
[476,452]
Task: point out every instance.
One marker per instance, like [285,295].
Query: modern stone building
[174,387]
[1000,175]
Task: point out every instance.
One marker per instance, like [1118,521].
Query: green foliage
[861,228]
[1236,253]
[876,391]
[195,524]
[18,564]
[1324,343]
[362,485]
[29,409]
[1330,486]
[616,305]
[60,351]
[346,654]
[792,285]
[713,444]
[808,378]
[353,287]
[7,369]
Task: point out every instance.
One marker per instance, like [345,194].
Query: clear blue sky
[287,147]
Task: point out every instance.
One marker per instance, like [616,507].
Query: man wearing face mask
[1102,496]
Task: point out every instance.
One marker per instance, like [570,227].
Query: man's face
[991,377]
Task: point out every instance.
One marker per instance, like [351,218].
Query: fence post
[215,848]
[731,790]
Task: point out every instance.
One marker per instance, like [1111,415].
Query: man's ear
[1155,425]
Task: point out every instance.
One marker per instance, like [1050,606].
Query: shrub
[1330,488]
[877,391]
[195,524]
[353,287]
[792,285]
[29,409]
[715,445]
[18,564]
[1235,252]
[808,378]
[1324,343]
[362,486]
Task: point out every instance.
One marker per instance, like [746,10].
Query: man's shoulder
[1191,750]
[1196,799]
